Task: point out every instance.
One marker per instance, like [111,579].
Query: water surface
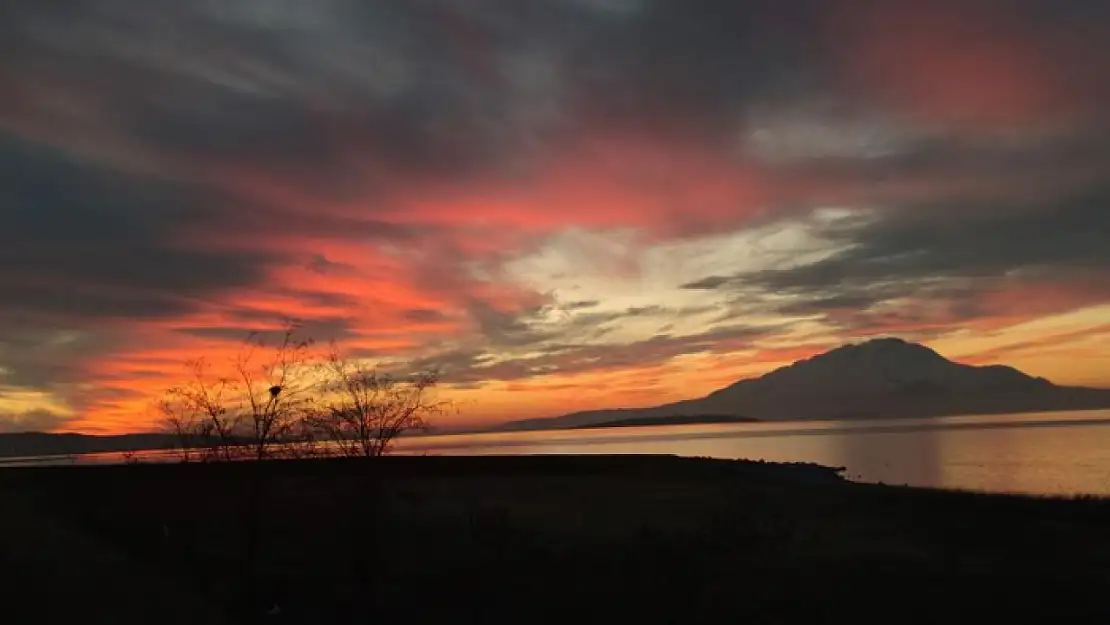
[1041,453]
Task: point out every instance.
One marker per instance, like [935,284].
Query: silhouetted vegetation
[585,539]
[283,401]
[363,410]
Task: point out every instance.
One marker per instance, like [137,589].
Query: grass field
[637,539]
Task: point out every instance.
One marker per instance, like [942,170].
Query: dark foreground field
[535,539]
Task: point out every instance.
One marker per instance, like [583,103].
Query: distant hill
[676,420]
[880,378]
[44,444]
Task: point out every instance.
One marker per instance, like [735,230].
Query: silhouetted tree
[198,411]
[257,410]
[182,424]
[274,392]
[362,410]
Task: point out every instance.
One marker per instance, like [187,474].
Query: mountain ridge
[18,444]
[884,377]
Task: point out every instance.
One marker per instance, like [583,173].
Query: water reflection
[1040,453]
[893,457]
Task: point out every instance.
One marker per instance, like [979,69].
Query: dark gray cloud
[579,343]
[345,96]
[708,283]
[429,92]
[57,359]
[676,68]
[537,327]
[34,355]
[320,264]
[441,90]
[937,263]
[320,329]
[32,421]
[424,315]
[860,299]
[303,93]
[311,297]
[558,358]
[509,329]
[938,242]
[78,232]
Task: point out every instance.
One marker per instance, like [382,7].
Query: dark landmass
[628,539]
[19,444]
[46,444]
[881,378]
[677,420]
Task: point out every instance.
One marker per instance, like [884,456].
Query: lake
[1039,453]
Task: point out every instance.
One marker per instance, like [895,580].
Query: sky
[563,204]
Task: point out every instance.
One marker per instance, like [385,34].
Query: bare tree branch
[362,410]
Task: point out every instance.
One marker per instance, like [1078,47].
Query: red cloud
[988,64]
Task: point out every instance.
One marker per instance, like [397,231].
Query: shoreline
[792,427]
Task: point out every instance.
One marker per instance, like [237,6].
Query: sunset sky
[564,204]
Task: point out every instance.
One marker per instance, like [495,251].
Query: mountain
[876,379]
[44,444]
[676,420]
